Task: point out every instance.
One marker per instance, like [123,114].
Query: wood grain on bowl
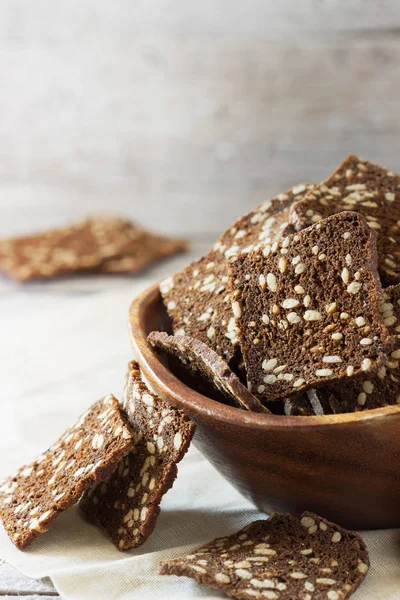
[344,467]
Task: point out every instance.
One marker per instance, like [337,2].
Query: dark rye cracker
[82,246]
[142,252]
[375,389]
[282,558]
[206,370]
[297,308]
[366,188]
[198,299]
[128,504]
[86,453]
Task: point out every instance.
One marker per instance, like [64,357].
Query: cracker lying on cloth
[363,187]
[88,452]
[206,371]
[198,299]
[128,504]
[297,308]
[282,558]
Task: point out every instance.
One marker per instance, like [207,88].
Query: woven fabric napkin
[60,355]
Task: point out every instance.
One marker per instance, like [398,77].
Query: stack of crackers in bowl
[294,311]
[300,297]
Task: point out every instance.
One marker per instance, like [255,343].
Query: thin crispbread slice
[307,404]
[376,389]
[366,188]
[86,453]
[128,504]
[142,252]
[206,370]
[297,308]
[82,246]
[198,299]
[282,558]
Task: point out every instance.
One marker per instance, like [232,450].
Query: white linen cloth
[59,354]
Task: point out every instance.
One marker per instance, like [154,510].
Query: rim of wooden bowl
[195,403]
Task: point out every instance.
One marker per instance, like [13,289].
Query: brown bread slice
[375,389]
[296,308]
[128,504]
[282,558]
[366,188]
[206,370]
[142,252]
[80,247]
[198,299]
[88,452]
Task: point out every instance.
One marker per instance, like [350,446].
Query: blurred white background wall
[183,114]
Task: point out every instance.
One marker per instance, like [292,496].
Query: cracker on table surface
[128,504]
[282,558]
[86,453]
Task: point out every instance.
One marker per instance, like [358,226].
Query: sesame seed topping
[312,315]
[362,567]
[307,522]
[366,341]
[269,364]
[237,311]
[271,282]
[331,308]
[282,264]
[354,287]
[300,268]
[290,303]
[293,317]
[298,189]
[331,359]
[345,275]
[323,372]
[337,336]
[298,382]
[368,386]
[389,321]
[361,398]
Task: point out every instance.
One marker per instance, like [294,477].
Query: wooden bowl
[344,467]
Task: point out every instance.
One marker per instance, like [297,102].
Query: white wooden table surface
[182,115]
